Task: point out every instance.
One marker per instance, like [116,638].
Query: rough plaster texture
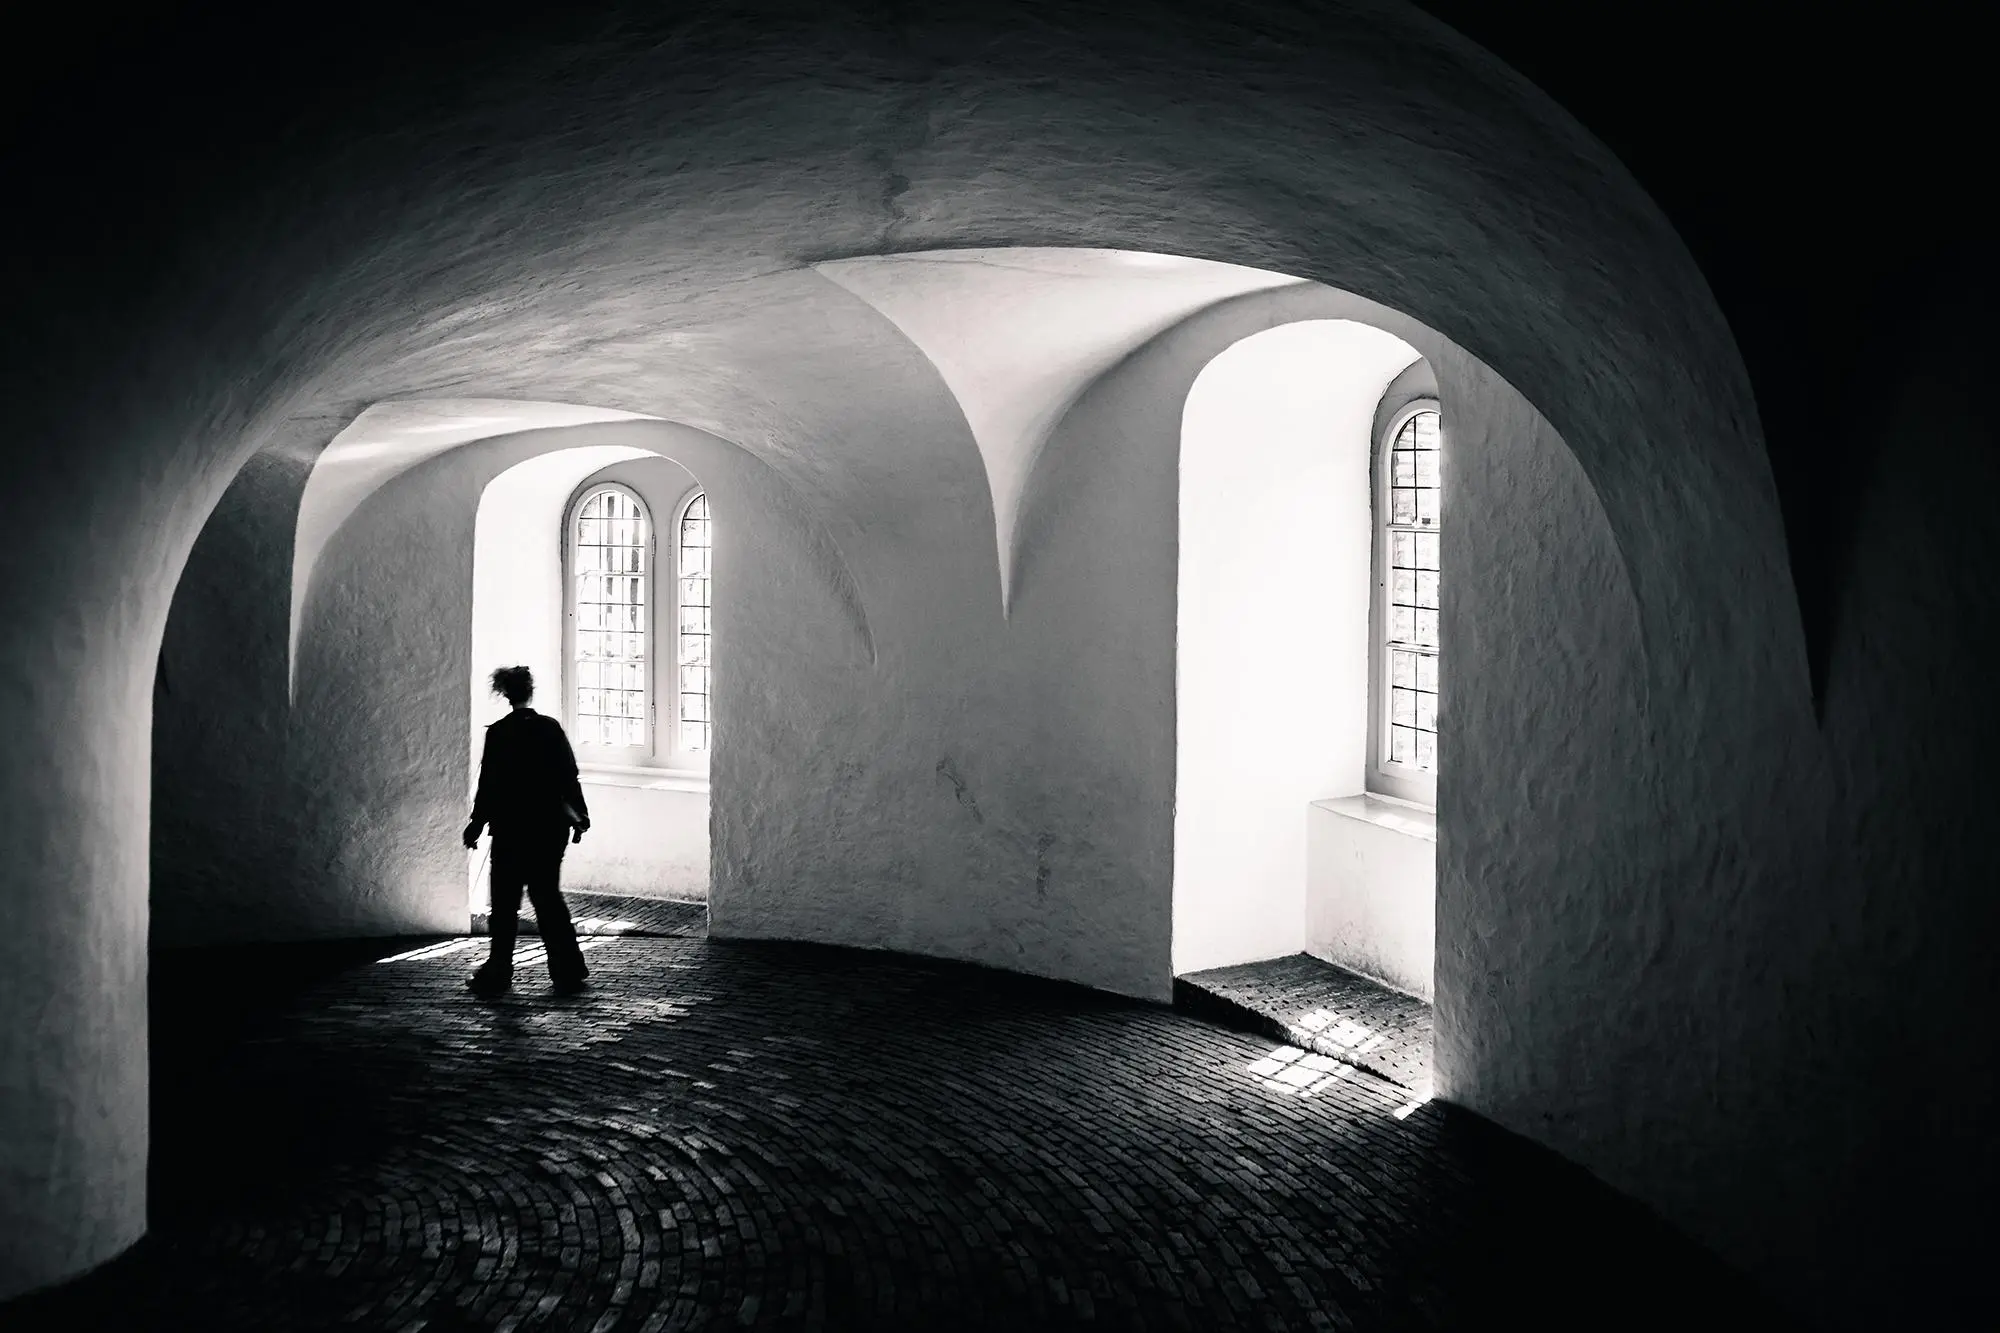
[1371,897]
[389,438]
[1271,661]
[645,841]
[1675,947]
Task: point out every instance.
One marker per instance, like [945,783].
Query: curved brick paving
[732,1135]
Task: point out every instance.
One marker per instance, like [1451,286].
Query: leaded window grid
[611,620]
[1412,522]
[693,663]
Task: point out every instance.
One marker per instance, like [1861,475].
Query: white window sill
[1386,812]
[648,779]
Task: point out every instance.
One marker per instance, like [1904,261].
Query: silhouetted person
[530,797]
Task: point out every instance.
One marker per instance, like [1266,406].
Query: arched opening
[576,577]
[1279,522]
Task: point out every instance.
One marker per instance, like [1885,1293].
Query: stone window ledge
[1385,812]
[648,779]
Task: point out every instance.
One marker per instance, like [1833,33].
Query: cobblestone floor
[1325,1009]
[728,1135]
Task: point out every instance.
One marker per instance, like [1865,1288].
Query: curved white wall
[386,440]
[1018,333]
[1272,642]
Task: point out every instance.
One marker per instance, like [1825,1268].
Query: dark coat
[527,774]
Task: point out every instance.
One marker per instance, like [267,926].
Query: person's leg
[566,966]
[502,915]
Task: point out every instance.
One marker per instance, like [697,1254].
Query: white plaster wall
[1018,333]
[1272,606]
[1371,898]
[385,440]
[645,841]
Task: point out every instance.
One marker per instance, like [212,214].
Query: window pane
[1412,589]
[610,595]
[1424,430]
[693,569]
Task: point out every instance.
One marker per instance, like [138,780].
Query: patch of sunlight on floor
[1298,1073]
[1350,1036]
[438,950]
[604,925]
[524,954]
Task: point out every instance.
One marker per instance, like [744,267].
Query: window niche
[636,628]
[1406,665]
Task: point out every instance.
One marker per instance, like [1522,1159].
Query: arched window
[693,656]
[611,592]
[1409,516]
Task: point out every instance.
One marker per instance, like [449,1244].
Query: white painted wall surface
[648,839]
[387,439]
[1272,681]
[1371,895]
[1017,334]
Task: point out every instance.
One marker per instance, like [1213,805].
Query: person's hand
[577,830]
[472,832]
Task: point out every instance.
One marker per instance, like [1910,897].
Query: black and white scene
[998,665]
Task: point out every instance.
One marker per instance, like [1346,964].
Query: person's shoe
[566,985]
[488,982]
